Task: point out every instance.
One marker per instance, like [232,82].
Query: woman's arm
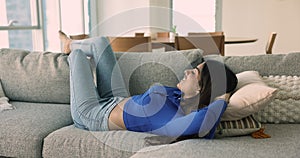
[201,122]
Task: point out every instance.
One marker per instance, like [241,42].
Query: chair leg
[270,43]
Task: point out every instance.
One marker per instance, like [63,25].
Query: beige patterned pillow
[240,127]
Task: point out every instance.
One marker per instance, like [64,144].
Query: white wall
[194,15]
[4,41]
[258,18]
[68,23]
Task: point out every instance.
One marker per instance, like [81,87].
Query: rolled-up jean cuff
[104,125]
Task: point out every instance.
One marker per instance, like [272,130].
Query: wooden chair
[163,34]
[270,43]
[130,44]
[139,34]
[213,44]
[79,36]
[205,33]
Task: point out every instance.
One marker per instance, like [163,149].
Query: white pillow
[251,95]
[1,90]
[248,77]
[4,105]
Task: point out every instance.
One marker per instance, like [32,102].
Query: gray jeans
[91,103]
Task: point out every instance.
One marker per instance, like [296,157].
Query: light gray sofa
[37,84]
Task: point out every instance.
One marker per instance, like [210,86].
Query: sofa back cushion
[44,76]
[275,64]
[34,76]
[141,70]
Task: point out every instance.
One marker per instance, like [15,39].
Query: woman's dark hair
[216,79]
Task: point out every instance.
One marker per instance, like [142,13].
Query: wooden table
[238,40]
[228,40]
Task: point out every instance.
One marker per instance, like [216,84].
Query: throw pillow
[252,95]
[285,107]
[247,77]
[240,127]
[4,105]
[1,90]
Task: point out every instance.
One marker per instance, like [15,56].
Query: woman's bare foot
[66,42]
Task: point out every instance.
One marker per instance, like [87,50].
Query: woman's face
[189,85]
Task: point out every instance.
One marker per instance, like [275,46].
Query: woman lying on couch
[161,110]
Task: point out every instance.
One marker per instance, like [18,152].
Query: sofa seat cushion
[73,142]
[24,128]
[284,142]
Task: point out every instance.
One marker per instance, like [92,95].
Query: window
[194,15]
[33,24]
[70,16]
[18,19]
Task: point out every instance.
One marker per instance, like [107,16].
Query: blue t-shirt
[158,111]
